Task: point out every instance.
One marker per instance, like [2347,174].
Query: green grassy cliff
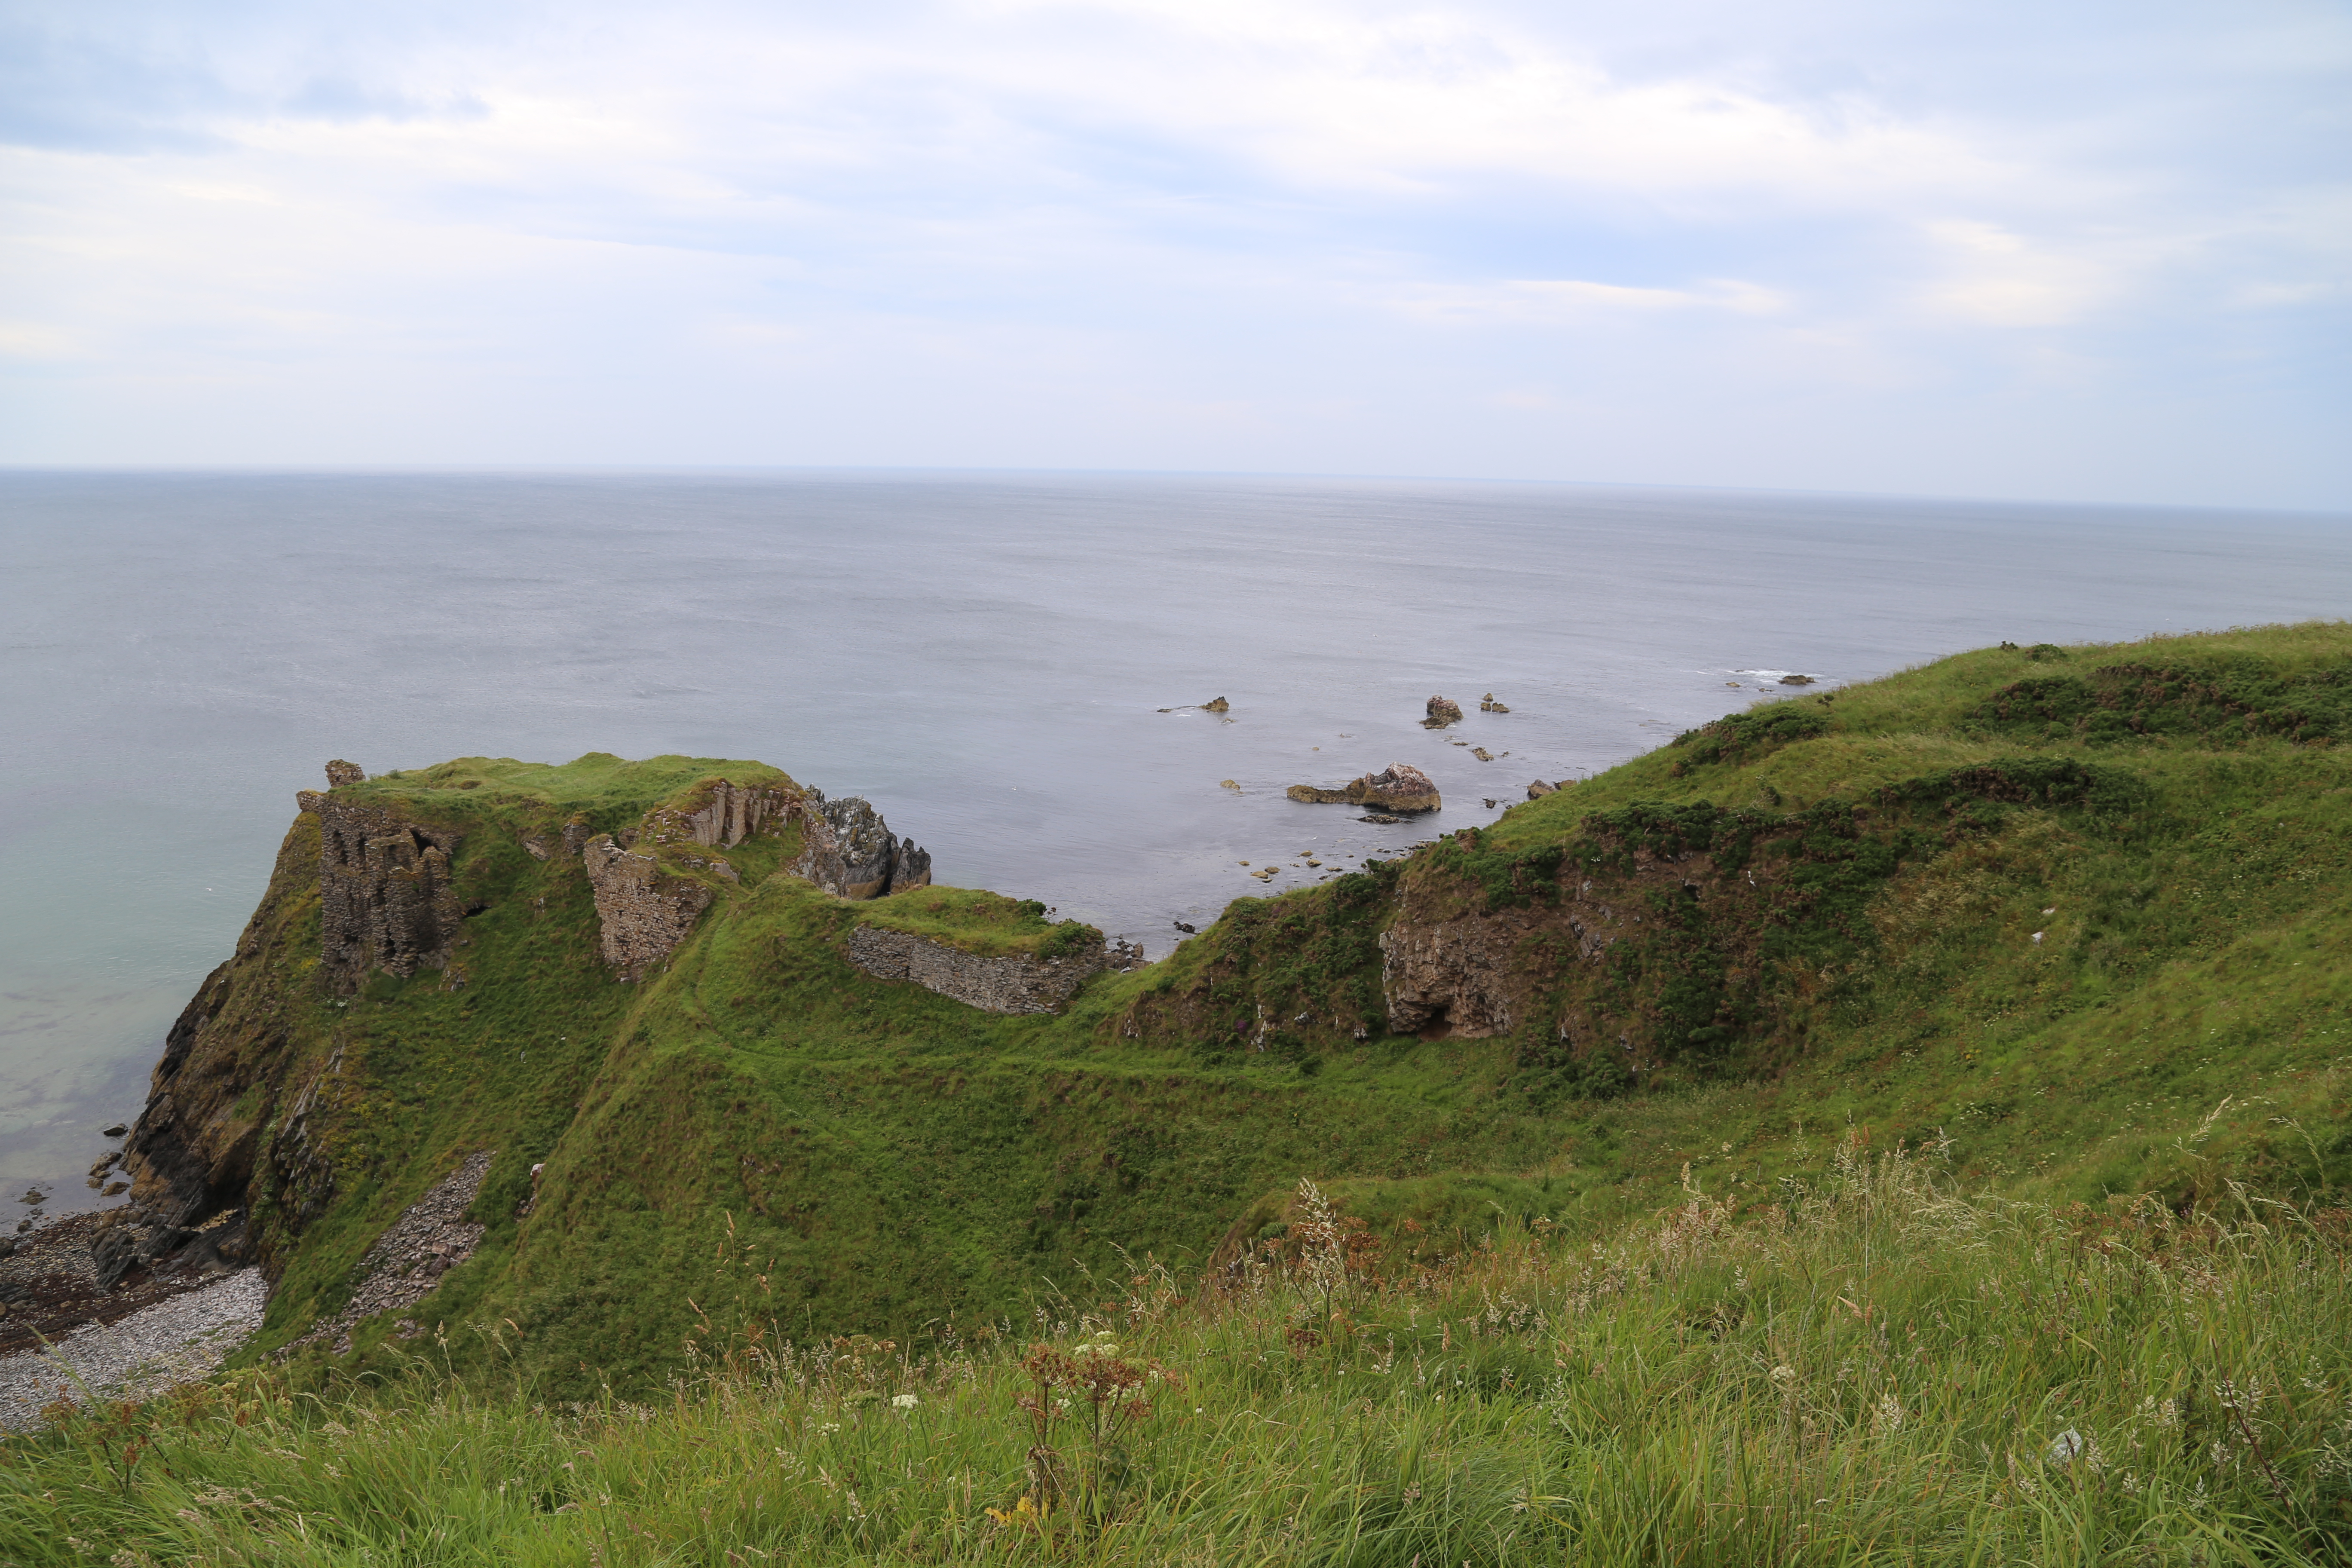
[2079,912]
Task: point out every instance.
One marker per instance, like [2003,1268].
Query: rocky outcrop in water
[1440,711]
[848,850]
[1398,788]
[1009,983]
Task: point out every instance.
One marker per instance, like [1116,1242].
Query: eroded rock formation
[1011,982]
[848,850]
[1440,711]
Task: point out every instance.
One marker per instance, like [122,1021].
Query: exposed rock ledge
[1015,983]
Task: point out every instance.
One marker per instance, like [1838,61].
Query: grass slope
[1885,1371]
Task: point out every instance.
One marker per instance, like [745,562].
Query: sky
[2099,251]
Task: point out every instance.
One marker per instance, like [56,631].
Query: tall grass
[1878,1369]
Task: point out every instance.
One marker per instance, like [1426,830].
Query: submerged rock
[1796,680]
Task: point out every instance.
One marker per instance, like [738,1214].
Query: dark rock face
[1441,711]
[385,899]
[847,850]
[189,1155]
[644,912]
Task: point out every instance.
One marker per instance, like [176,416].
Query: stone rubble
[431,1236]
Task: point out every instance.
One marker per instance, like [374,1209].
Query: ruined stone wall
[643,911]
[385,893]
[1013,983]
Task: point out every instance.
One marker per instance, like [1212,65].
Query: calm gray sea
[983,656]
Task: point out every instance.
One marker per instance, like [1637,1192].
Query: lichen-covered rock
[1440,712]
[644,911]
[384,896]
[848,850]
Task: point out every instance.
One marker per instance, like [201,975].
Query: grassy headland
[2073,917]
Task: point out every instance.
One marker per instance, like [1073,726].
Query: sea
[1011,666]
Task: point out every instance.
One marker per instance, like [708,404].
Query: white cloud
[1200,234]
[1568,299]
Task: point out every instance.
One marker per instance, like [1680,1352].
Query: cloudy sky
[2099,250]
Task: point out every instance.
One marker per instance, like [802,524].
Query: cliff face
[360,888]
[253,1104]
[194,1152]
